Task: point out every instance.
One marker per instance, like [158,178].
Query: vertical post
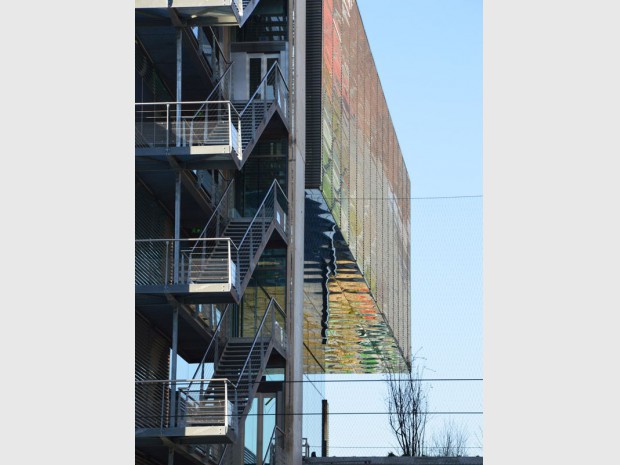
[238,274]
[179,82]
[163,409]
[239,141]
[259,429]
[173,366]
[202,377]
[177,227]
[253,104]
[229,128]
[226,412]
[205,127]
[230,283]
[167,125]
[251,247]
[167,263]
[170,456]
[273,321]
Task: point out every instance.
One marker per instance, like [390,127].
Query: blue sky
[429,57]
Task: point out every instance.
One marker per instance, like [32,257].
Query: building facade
[271,225]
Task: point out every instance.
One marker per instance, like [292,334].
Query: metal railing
[214,344]
[191,407]
[305,448]
[213,54]
[224,211]
[273,208]
[222,88]
[201,261]
[272,326]
[183,124]
[275,451]
[272,88]
[220,92]
[212,260]
[214,189]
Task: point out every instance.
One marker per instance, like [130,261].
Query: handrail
[259,209]
[218,84]
[260,327]
[155,265]
[275,428]
[214,338]
[277,304]
[173,412]
[275,65]
[183,101]
[220,461]
[211,93]
[219,47]
[178,381]
[217,207]
[187,239]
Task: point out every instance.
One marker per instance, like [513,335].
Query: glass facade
[357,205]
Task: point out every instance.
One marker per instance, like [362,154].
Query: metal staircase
[213,405]
[242,364]
[271,95]
[219,263]
[252,117]
[240,240]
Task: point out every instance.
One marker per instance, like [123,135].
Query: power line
[370,413]
[378,380]
[403,198]
[386,447]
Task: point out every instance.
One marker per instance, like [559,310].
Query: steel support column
[179,83]
[173,365]
[295,252]
[259,429]
[177,227]
[177,198]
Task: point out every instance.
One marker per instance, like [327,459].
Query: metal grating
[313,93]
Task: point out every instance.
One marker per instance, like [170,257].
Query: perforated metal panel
[354,159]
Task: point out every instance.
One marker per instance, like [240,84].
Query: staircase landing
[186,435]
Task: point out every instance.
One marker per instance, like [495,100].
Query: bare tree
[450,441]
[407,405]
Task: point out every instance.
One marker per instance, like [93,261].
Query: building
[272,224]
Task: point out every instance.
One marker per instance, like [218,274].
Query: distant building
[271,223]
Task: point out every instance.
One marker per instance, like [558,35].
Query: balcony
[217,266]
[205,268]
[195,411]
[203,12]
[199,135]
